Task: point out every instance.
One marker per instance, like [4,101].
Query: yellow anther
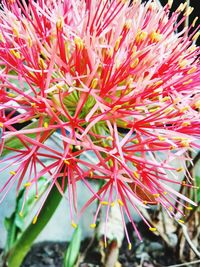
[161,138]
[135,63]
[155,37]
[105,244]
[168,110]
[152,6]
[128,24]
[164,99]
[110,162]
[93,225]
[46,125]
[123,1]
[189,208]
[188,82]
[116,107]
[196,36]
[129,246]
[182,7]
[197,104]
[165,193]
[136,174]
[140,108]
[185,143]
[30,42]
[152,229]
[112,204]
[158,83]
[183,182]
[140,36]
[94,83]
[66,162]
[194,21]
[79,43]
[181,221]
[35,219]
[36,196]
[170,208]
[11,95]
[158,90]
[156,195]
[117,43]
[110,52]
[42,63]
[59,87]
[188,11]
[16,32]
[91,174]
[154,109]
[144,202]
[2,39]
[186,123]
[73,224]
[15,53]
[78,147]
[1,125]
[120,202]
[183,63]
[186,108]
[60,23]
[33,104]
[12,172]
[109,138]
[104,203]
[21,214]
[134,50]
[27,184]
[179,169]
[170,3]
[192,70]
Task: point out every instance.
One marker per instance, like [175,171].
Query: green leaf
[22,246]
[15,143]
[73,249]
[198,185]
[15,224]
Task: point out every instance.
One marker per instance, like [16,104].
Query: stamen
[152,229]
[35,219]
[120,202]
[46,125]
[73,224]
[79,43]
[27,184]
[60,23]
[192,70]
[15,53]
[93,225]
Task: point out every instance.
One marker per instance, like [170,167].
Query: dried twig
[190,168]
[184,264]
[185,232]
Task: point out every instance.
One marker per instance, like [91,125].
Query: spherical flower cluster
[109,78]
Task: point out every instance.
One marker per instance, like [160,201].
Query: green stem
[23,245]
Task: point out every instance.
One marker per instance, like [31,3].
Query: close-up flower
[112,80]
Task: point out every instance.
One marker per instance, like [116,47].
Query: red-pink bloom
[89,69]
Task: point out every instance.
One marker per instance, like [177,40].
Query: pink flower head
[110,80]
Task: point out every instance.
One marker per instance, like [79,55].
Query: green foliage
[198,190]
[73,249]
[14,257]
[15,143]
[15,224]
